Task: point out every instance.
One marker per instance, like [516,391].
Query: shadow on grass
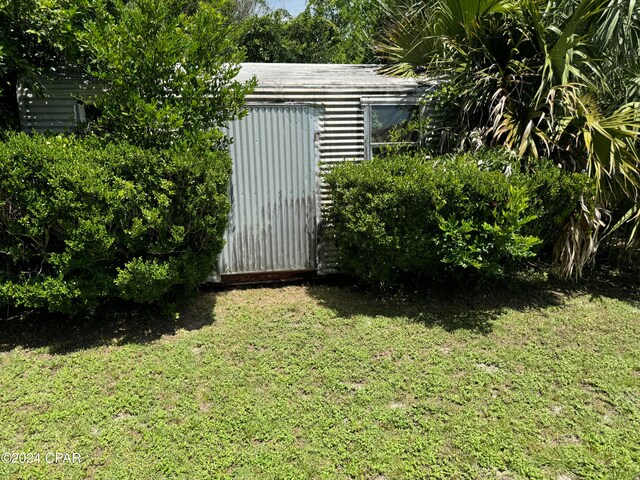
[454,307]
[112,325]
[619,285]
[450,308]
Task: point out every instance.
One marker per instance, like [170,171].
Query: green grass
[320,381]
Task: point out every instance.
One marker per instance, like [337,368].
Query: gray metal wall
[54,107]
[272,226]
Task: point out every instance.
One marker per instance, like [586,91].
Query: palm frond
[578,242]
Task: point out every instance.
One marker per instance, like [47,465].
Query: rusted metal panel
[272,226]
[267,277]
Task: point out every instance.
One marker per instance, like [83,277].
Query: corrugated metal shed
[342,93]
[279,198]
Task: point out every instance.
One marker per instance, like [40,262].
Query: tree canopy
[328,31]
[36,35]
[168,67]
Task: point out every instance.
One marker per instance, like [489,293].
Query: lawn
[326,381]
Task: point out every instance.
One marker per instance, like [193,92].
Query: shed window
[383,119]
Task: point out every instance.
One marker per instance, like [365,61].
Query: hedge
[84,221]
[408,217]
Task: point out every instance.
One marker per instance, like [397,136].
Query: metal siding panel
[272,225]
[53,109]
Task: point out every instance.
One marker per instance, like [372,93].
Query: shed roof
[318,75]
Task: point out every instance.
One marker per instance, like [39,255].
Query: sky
[294,7]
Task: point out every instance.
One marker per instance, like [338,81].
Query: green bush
[404,216]
[83,221]
[554,193]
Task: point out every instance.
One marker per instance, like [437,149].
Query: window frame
[368,103]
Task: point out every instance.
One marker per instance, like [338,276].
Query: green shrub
[404,216]
[554,194]
[83,221]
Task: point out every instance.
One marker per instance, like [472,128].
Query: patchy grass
[320,381]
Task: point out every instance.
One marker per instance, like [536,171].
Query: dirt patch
[383,355]
[556,409]
[566,476]
[488,368]
[356,385]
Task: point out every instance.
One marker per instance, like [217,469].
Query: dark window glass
[92,113]
[385,118]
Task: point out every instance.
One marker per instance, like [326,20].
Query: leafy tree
[315,39]
[279,38]
[265,38]
[359,23]
[328,31]
[237,11]
[535,76]
[168,69]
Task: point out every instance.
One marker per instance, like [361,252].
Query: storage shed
[303,119]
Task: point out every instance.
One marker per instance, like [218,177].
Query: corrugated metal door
[272,226]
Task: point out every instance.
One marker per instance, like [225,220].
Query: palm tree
[536,76]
